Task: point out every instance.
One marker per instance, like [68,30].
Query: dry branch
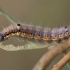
[44,62]
[62,62]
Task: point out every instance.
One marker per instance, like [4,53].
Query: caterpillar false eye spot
[18,24]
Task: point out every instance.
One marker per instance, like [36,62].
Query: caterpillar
[35,32]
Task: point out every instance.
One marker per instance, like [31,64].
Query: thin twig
[5,14]
[62,62]
[44,62]
[68,64]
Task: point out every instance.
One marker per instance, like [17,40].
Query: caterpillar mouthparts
[35,32]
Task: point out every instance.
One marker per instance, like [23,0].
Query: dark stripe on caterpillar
[35,32]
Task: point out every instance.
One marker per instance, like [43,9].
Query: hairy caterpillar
[35,32]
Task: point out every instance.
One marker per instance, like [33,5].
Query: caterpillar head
[1,37]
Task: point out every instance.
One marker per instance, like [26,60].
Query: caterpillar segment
[23,30]
[54,34]
[47,34]
[30,32]
[38,33]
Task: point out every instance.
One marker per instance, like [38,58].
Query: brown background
[46,13]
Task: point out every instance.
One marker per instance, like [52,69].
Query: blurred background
[45,13]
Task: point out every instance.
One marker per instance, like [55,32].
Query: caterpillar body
[35,32]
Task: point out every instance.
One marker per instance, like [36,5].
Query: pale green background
[46,13]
